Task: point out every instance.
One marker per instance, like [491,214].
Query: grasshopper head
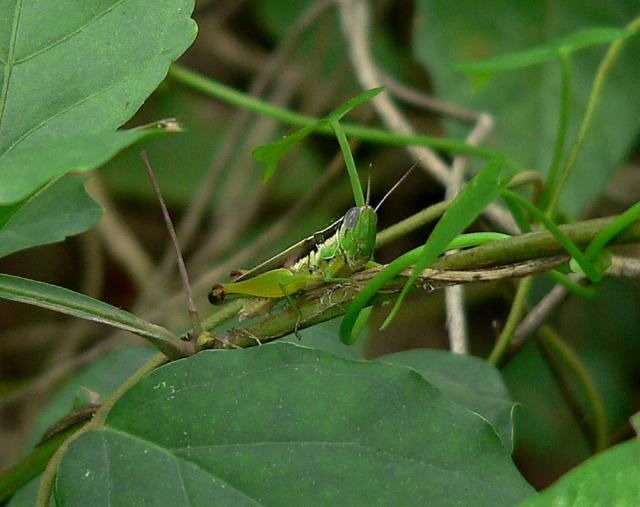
[357,236]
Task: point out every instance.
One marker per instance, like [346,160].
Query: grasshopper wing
[293,253]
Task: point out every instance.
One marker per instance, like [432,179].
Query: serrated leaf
[62,208]
[476,195]
[468,380]
[26,168]
[270,154]
[77,68]
[59,299]
[609,478]
[285,425]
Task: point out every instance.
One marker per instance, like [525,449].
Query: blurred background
[299,55]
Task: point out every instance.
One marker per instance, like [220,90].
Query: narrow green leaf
[544,53]
[350,163]
[27,167]
[282,424]
[483,189]
[60,209]
[270,154]
[65,75]
[73,303]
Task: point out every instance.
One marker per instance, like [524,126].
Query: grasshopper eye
[351,218]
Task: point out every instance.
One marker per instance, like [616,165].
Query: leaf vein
[71,34]
[9,64]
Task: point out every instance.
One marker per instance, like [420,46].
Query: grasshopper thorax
[357,236]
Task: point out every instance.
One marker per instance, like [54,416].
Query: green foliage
[288,425]
[271,153]
[525,103]
[67,83]
[239,434]
[79,305]
[467,380]
[609,478]
[59,209]
[103,376]
[484,69]
[469,203]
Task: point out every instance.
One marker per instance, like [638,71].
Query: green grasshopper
[332,254]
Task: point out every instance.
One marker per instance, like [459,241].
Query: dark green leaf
[467,380]
[60,209]
[102,376]
[286,425]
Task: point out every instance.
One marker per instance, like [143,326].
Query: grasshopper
[332,254]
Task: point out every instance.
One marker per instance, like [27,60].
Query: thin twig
[539,313]
[184,277]
[625,267]
[424,101]
[234,218]
[194,215]
[355,19]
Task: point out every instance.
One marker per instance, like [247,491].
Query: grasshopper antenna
[397,184]
[186,287]
[366,202]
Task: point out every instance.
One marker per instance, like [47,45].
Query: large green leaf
[103,377]
[286,425]
[526,102]
[77,68]
[469,381]
[60,209]
[609,478]
[26,168]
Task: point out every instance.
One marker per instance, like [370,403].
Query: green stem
[15,477]
[565,86]
[435,211]
[49,476]
[611,230]
[568,283]
[350,163]
[533,245]
[208,86]
[516,312]
[592,273]
[594,99]
[571,360]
